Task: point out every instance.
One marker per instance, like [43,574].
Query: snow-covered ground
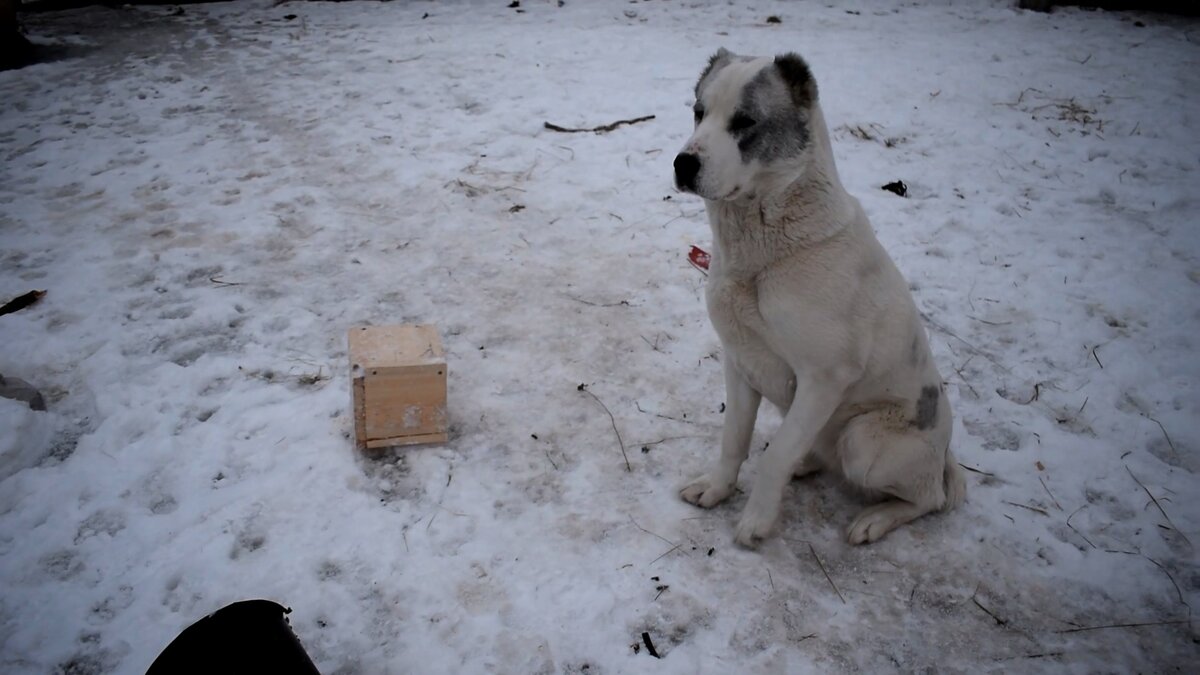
[213,197]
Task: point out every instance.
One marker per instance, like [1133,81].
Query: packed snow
[213,195]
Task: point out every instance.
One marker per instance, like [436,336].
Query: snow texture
[213,196]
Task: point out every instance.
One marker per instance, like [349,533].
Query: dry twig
[1172,622]
[1157,505]
[603,128]
[998,620]
[1056,504]
[825,572]
[612,419]
[1031,508]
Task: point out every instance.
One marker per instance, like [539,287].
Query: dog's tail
[955,483]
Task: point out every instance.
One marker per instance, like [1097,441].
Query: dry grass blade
[1051,495]
[1031,508]
[826,572]
[1156,504]
[998,620]
[612,419]
[1089,541]
[1082,629]
[978,471]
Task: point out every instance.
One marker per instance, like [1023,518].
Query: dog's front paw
[756,524]
[706,492]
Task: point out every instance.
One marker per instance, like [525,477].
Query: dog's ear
[715,62]
[798,78]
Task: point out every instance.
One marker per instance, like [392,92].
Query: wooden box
[398,378]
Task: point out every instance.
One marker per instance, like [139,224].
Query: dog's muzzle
[687,166]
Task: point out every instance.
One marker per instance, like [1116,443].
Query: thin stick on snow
[672,550]
[598,304]
[655,534]
[998,620]
[1173,622]
[978,471]
[1165,435]
[612,419]
[1166,572]
[825,572]
[1056,504]
[1157,505]
[603,128]
[1026,506]
[1089,541]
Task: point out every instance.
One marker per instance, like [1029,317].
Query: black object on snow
[252,636]
[897,188]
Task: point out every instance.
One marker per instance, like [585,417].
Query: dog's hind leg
[824,450]
[881,453]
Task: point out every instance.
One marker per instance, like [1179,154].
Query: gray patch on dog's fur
[914,356]
[927,408]
[781,130]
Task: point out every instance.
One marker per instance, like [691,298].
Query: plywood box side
[404,406]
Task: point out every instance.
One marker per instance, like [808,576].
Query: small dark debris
[774,19]
[654,579]
[855,12]
[425,16]
[481,347]
[533,436]
[712,551]
[637,647]
[1139,24]
[581,387]
[722,408]
[645,449]
[514,4]
[289,17]
[897,188]
[516,208]
[667,198]
[661,587]
[650,646]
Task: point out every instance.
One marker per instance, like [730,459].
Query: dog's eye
[699,115]
[741,121]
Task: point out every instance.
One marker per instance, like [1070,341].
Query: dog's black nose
[687,166]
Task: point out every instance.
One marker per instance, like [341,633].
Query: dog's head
[752,118]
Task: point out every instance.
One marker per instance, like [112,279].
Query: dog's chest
[734,311]
[733,308]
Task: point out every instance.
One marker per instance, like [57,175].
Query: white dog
[811,311]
